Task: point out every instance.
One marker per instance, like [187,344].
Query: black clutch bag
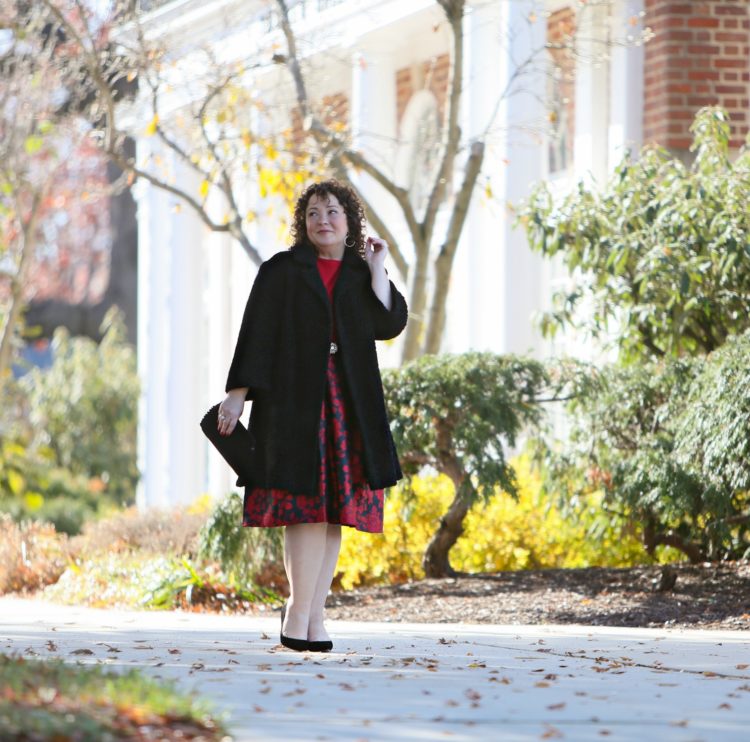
[236,448]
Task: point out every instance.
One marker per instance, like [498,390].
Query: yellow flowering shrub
[502,534]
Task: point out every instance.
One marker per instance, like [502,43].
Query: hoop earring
[347,243]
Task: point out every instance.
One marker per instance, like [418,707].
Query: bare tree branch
[454,11]
[113,138]
[444,262]
[336,146]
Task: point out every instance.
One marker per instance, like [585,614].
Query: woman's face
[325,222]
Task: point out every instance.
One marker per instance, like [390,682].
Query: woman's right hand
[230,410]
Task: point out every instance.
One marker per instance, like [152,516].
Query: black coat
[282,354]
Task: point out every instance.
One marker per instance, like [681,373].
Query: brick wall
[700,56]
[434,77]
[333,110]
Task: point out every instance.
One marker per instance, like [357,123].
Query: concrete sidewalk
[418,681]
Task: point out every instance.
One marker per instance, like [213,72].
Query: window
[561,89]
[419,147]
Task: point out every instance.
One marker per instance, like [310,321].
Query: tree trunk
[444,261]
[417,307]
[18,284]
[436,560]
[439,299]
[652,537]
[122,289]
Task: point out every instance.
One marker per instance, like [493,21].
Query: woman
[323,451]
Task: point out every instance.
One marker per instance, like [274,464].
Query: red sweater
[329,270]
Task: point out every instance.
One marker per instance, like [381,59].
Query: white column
[170,344]
[503,274]
[217,321]
[626,81]
[590,153]
[225,283]
[373,104]
[373,118]
[373,129]
[187,347]
[153,339]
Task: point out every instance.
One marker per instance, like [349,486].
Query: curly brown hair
[349,200]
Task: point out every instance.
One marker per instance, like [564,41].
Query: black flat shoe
[322,646]
[298,645]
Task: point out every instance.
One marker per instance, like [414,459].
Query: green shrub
[118,560]
[196,587]
[120,579]
[456,414]
[68,433]
[83,409]
[658,256]
[247,555]
[668,444]
[500,533]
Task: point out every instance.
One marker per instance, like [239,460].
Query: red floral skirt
[343,497]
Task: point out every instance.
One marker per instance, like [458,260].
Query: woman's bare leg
[316,631]
[304,554]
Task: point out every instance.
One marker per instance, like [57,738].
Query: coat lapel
[305,256]
[352,266]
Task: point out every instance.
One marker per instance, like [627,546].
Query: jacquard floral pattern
[343,497]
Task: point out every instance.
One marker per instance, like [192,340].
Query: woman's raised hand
[376,251]
[230,410]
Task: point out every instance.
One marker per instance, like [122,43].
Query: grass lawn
[52,700]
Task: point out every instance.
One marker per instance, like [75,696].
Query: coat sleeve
[388,323]
[252,363]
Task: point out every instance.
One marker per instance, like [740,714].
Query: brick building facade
[699,56]
[592,93]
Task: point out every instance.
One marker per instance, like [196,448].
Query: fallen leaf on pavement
[552,733]
[296,692]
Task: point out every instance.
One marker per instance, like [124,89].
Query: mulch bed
[707,596]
